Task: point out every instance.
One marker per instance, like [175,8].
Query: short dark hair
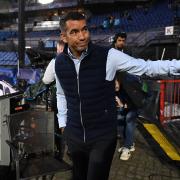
[73,15]
[121,34]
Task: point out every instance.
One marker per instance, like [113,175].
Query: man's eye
[85,29]
[73,32]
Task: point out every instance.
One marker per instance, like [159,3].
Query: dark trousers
[92,161]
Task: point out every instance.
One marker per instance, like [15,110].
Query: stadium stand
[11,59]
[132,19]
[137,19]
[6,34]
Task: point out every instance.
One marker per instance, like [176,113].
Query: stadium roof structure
[11,6]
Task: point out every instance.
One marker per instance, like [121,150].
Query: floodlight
[45,1]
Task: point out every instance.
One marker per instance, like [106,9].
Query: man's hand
[62,130]
[118,102]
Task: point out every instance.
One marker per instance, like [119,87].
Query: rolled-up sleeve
[119,61]
[61,105]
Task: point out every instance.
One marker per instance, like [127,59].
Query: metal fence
[169,100]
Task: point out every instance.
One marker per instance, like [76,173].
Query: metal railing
[169,103]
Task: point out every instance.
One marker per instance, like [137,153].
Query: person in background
[126,116]
[49,75]
[41,44]
[85,75]
[48,78]
[119,42]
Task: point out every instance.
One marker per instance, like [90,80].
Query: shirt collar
[84,53]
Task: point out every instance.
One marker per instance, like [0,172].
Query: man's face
[120,43]
[76,35]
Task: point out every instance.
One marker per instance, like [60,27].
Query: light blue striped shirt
[119,61]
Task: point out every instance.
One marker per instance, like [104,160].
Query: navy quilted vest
[90,98]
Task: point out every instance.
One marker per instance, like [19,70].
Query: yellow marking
[162,141]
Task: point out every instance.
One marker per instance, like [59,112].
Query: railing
[169,100]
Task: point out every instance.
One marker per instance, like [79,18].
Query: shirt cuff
[62,122]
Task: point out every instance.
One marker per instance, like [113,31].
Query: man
[85,90]
[48,78]
[127,118]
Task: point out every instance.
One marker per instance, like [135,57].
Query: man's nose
[81,35]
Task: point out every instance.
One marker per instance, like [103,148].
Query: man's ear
[63,37]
